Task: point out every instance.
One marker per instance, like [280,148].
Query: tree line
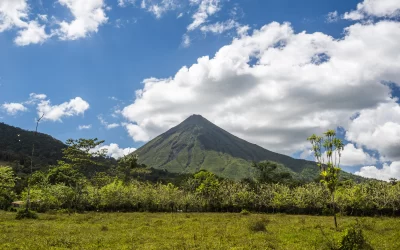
[127,186]
[205,192]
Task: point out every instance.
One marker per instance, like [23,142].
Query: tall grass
[187,231]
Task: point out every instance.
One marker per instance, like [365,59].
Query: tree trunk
[334,209]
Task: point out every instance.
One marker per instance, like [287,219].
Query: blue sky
[100,53]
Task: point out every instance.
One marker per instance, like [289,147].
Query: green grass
[185,231]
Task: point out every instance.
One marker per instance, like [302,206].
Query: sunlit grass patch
[186,231]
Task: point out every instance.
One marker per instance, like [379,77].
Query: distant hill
[196,144]
[16,145]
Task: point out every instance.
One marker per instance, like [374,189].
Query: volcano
[197,144]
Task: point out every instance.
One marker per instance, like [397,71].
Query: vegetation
[353,238]
[197,144]
[188,231]
[78,184]
[16,145]
[81,154]
[62,188]
[332,148]
[7,183]
[26,214]
[84,180]
[267,173]
[193,145]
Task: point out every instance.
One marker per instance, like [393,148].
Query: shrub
[353,239]
[26,214]
[12,209]
[258,225]
[245,212]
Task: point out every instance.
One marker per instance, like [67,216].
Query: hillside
[196,144]
[16,145]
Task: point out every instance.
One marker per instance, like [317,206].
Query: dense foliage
[7,183]
[205,192]
[16,145]
[85,181]
[128,186]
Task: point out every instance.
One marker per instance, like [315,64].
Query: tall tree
[81,153]
[328,151]
[28,199]
[126,165]
[267,172]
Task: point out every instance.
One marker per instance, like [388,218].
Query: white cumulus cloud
[74,107]
[113,150]
[385,173]
[88,16]
[37,96]
[33,33]
[276,87]
[352,156]
[15,14]
[376,8]
[137,132]
[378,129]
[13,108]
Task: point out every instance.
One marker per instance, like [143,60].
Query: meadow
[94,230]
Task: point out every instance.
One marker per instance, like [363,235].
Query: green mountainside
[16,145]
[197,144]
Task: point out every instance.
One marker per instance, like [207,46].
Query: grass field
[185,231]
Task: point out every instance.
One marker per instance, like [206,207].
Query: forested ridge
[16,145]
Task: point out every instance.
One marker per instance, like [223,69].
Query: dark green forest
[16,145]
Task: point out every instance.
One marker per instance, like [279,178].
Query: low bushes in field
[353,239]
[374,198]
[258,225]
[244,212]
[26,214]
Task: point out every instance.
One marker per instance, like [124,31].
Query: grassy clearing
[185,231]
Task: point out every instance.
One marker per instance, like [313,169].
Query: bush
[26,214]
[258,226]
[353,239]
[244,212]
[12,209]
